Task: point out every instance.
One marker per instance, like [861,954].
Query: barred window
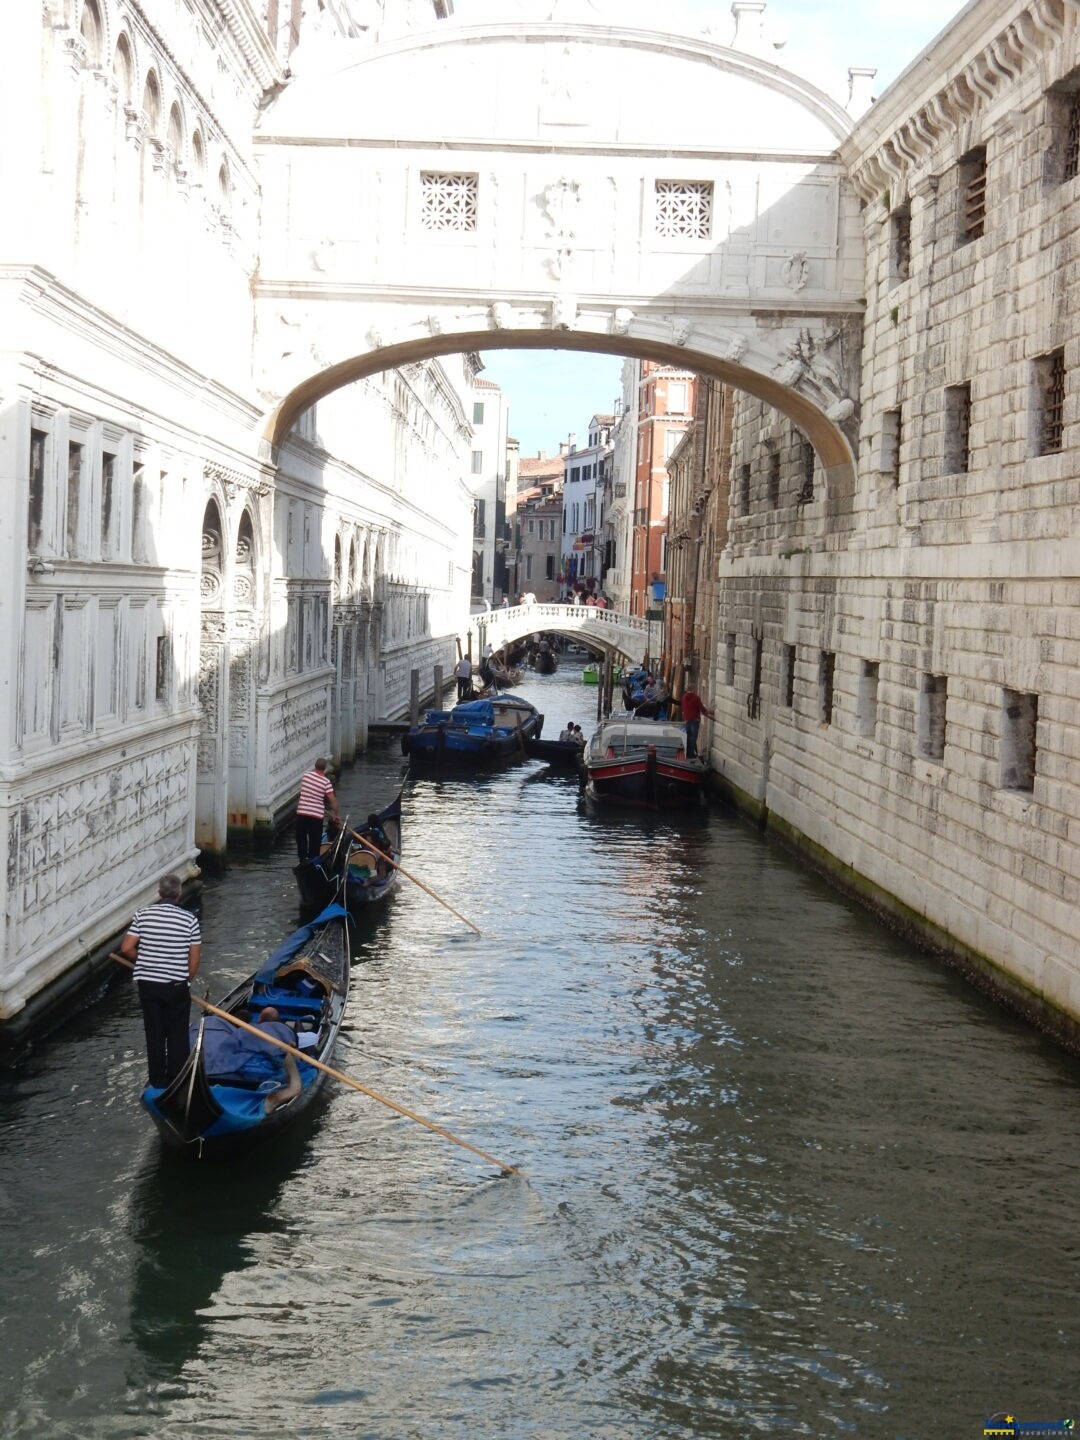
[1071,159]
[957,429]
[900,244]
[774,477]
[807,459]
[448,202]
[973,195]
[1050,398]
[684,209]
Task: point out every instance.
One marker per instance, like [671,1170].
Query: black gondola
[564,753]
[218,1103]
[347,873]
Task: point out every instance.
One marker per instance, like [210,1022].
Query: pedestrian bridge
[624,636]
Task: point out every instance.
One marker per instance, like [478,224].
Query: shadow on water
[193,1224]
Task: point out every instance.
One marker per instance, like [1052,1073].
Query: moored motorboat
[633,761]
[475,733]
[348,873]
[231,1088]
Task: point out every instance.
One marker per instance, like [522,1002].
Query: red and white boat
[634,761]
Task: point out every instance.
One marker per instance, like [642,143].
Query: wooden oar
[337,1075]
[368,845]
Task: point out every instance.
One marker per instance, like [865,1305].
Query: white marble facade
[187,620]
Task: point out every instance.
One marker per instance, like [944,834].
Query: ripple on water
[781,1171]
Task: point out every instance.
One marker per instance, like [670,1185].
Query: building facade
[664,403]
[585,472]
[188,620]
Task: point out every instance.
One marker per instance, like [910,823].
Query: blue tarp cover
[474,712]
[296,942]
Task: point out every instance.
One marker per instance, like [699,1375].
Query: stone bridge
[626,637]
[532,201]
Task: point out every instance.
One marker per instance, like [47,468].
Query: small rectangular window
[891,439]
[35,518]
[787,676]
[448,201]
[108,502]
[900,244]
[478,412]
[1050,402]
[477,462]
[957,429]
[807,461]
[729,658]
[826,682]
[774,477]
[1019,732]
[972,191]
[753,700]
[549,567]
[742,503]
[1071,157]
[684,209]
[933,697]
[76,461]
[868,699]
[162,668]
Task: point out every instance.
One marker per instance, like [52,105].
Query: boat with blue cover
[476,732]
[234,1088]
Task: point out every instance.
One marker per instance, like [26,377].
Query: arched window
[152,104]
[123,70]
[92,32]
[198,157]
[244,573]
[210,579]
[224,191]
[176,135]
[337,567]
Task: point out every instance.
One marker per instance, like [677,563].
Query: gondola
[546,662]
[631,761]
[564,753]
[346,873]
[218,1102]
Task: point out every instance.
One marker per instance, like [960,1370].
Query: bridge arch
[532,203]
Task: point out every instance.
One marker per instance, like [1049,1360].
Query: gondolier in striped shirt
[165,942]
[316,795]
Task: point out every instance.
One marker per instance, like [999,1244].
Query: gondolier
[316,795]
[165,942]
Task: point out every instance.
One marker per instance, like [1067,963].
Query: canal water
[782,1172]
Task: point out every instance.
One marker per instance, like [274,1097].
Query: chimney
[749,27]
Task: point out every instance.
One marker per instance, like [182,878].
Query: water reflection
[783,1172]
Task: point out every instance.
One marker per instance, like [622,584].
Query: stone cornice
[961,74]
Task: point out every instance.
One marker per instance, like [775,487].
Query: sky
[553,394]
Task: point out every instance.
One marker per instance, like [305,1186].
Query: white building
[489,468]
[581,554]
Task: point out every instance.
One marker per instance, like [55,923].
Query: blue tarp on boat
[296,942]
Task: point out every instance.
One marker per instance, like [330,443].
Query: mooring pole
[414,697]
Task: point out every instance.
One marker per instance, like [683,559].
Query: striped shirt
[314,788]
[166,933]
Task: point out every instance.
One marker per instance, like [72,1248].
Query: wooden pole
[439,688]
[368,845]
[337,1075]
[414,698]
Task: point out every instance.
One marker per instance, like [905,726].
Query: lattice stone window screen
[684,209]
[448,202]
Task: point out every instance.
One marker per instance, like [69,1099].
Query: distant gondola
[346,873]
[475,733]
[565,753]
[218,1102]
[546,662]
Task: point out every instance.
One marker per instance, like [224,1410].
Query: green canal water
[783,1174]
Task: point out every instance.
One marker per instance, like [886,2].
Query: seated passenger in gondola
[230,1053]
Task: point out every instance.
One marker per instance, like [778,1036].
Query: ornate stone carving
[796,271]
[680,329]
[563,312]
[622,320]
[733,347]
[502,315]
[560,205]
[807,366]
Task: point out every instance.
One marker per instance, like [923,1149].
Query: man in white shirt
[463,674]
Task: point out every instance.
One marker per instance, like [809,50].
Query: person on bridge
[316,796]
[505,603]
[692,708]
[165,942]
[463,675]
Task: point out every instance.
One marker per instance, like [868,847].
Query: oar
[368,845]
[337,1075]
